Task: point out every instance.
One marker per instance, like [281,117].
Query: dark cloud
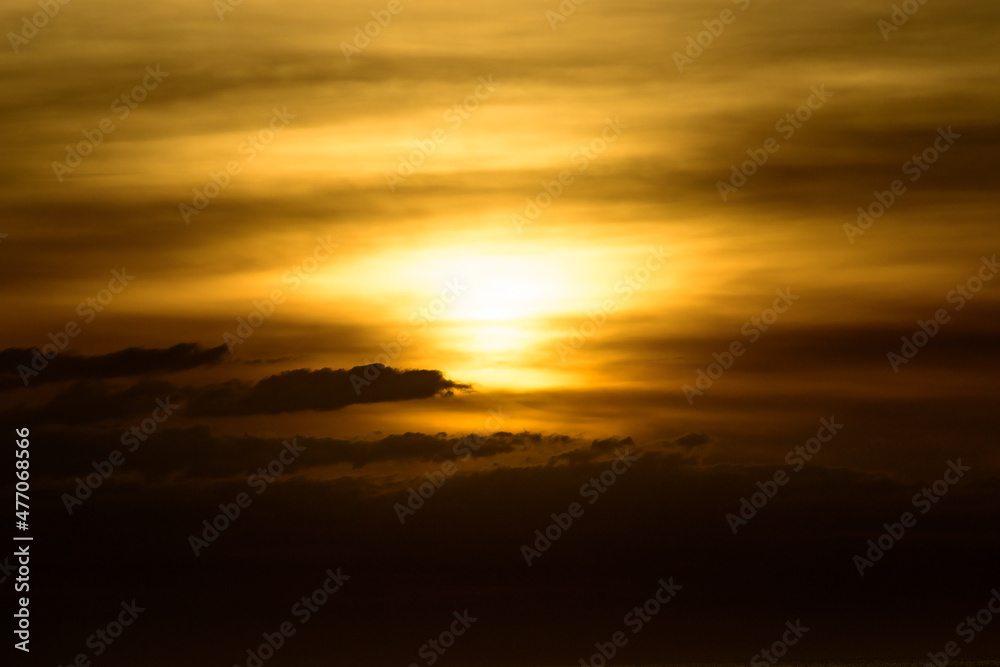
[192,453]
[692,440]
[124,363]
[197,453]
[93,402]
[323,389]
[664,517]
[597,449]
[291,391]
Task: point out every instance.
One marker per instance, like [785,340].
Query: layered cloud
[18,364]
[662,516]
[78,199]
[291,391]
[324,389]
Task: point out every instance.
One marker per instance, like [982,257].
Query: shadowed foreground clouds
[664,517]
[197,455]
[324,389]
[502,399]
[18,365]
[291,391]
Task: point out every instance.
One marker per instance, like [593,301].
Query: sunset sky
[688,230]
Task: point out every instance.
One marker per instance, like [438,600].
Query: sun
[500,306]
[506,289]
[490,312]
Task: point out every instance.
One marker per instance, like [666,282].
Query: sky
[448,268]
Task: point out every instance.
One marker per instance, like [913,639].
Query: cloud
[323,389]
[692,440]
[325,175]
[196,453]
[94,402]
[597,449]
[91,402]
[664,517]
[129,362]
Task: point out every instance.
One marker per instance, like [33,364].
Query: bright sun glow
[506,289]
[491,315]
[502,316]
[503,301]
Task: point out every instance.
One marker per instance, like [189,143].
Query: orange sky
[485,151]
[567,221]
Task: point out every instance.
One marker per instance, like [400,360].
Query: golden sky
[563,216]
[414,94]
